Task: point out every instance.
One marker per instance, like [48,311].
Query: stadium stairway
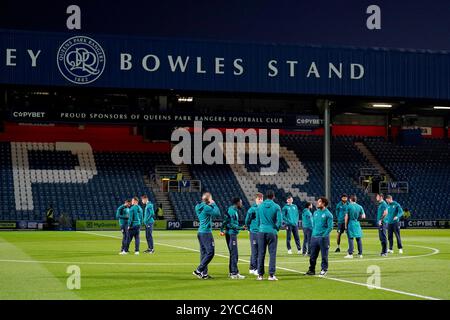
[371,158]
[161,198]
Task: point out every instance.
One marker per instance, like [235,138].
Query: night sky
[416,24]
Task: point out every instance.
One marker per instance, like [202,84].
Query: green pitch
[33,265]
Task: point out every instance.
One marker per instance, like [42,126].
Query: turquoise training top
[290,215]
[322,223]
[355,211]
[135,218]
[394,210]
[122,214]
[307,220]
[230,224]
[250,219]
[269,217]
[205,213]
[341,211]
[382,206]
[149,214]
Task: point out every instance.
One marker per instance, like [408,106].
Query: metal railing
[166,171]
[184,186]
[394,187]
[165,178]
[369,172]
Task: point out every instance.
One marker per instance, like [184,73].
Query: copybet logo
[81,60]
[24,177]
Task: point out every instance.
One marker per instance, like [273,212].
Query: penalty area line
[291,270]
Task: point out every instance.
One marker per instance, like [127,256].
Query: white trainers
[390,251]
[260,278]
[289,251]
[136,253]
[360,256]
[123,253]
[300,252]
[237,277]
[254,272]
[349,256]
[322,273]
[400,251]
[273,278]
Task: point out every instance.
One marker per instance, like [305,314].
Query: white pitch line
[299,272]
[434,251]
[106,263]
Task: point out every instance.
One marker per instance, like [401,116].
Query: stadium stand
[426,168]
[116,176]
[90,184]
[300,174]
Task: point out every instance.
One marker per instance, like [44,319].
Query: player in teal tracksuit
[341,211]
[382,223]
[251,223]
[149,220]
[205,211]
[353,227]
[320,242]
[395,212]
[269,220]
[122,214]
[134,224]
[307,225]
[290,218]
[230,228]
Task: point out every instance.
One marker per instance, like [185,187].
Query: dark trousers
[267,240]
[134,232]
[351,245]
[206,241]
[383,238]
[234,255]
[307,232]
[149,235]
[394,228]
[322,245]
[124,230]
[254,251]
[292,230]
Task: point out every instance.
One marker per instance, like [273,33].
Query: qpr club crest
[81,60]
